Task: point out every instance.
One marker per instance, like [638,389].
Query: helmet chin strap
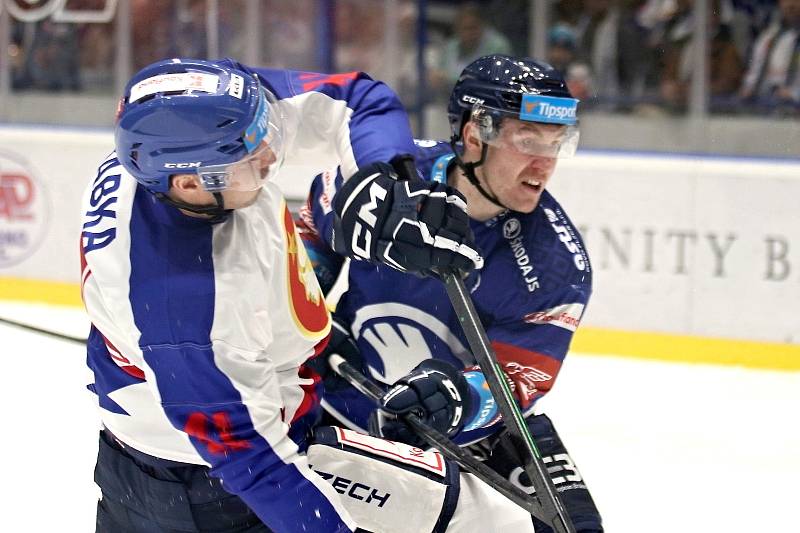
[217,213]
[469,172]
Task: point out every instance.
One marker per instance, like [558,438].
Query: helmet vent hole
[512,101]
[134,154]
[230,148]
[225,123]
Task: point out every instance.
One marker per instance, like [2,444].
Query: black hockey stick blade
[518,433]
[448,448]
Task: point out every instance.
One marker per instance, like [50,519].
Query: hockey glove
[411,225]
[436,391]
[340,343]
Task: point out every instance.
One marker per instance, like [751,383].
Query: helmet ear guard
[488,122]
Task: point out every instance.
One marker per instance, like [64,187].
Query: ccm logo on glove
[365,213]
[411,225]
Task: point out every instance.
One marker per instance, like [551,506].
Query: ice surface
[663,447]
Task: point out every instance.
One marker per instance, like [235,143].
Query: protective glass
[264,142]
[529,138]
[525,133]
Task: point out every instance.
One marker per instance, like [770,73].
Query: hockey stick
[518,433]
[41,331]
[448,448]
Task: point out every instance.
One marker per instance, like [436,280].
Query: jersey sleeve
[349,115]
[377,126]
[209,392]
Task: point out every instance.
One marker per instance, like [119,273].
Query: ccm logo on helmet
[472,99]
[183,165]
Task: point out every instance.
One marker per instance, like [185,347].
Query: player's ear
[184,182]
[471,137]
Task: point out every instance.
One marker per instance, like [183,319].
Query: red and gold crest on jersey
[309,310]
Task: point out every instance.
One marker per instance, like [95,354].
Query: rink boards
[694,258]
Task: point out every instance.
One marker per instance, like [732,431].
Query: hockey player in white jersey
[204,309]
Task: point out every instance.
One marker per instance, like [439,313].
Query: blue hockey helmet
[182,116]
[495,87]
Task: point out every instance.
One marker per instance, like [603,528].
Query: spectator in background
[772,78]
[598,29]
[361,45]
[725,65]
[610,41]
[150,26]
[97,57]
[53,61]
[512,19]
[359,36]
[405,71]
[748,19]
[561,48]
[472,39]
[568,13]
[290,41]
[189,29]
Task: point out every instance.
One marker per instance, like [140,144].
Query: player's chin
[526,198]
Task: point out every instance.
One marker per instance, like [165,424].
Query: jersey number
[198,427]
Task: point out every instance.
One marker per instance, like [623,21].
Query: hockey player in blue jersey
[511,120]
[205,308]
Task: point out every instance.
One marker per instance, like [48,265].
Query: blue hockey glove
[436,391]
[340,343]
[411,225]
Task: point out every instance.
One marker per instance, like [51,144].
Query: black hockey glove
[411,225]
[436,391]
[340,343]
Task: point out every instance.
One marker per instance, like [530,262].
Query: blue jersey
[200,330]
[530,296]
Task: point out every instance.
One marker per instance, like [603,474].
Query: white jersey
[200,329]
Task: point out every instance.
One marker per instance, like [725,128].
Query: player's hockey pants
[142,498]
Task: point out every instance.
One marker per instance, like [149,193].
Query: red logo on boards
[23,209]
[16,196]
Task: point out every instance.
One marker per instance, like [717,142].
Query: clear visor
[264,140]
[529,138]
[247,174]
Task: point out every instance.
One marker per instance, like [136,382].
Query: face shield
[545,127]
[263,140]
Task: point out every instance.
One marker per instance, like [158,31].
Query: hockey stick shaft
[439,441]
[518,433]
[41,331]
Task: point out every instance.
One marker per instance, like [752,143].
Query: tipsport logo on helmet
[23,210]
[551,109]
